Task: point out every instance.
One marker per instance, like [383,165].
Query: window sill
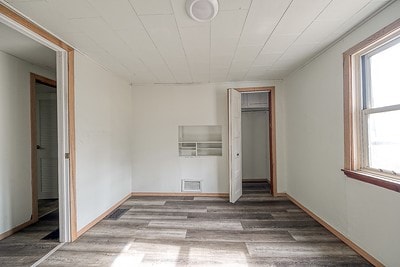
[375,179]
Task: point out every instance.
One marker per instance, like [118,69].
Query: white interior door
[46,118]
[235,145]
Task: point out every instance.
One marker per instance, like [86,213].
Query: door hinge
[67,155]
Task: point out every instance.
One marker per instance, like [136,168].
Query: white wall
[158,110]
[15,140]
[103,142]
[255,145]
[367,214]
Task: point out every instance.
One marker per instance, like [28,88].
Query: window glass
[385,77]
[384,141]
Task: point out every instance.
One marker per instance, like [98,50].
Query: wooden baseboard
[159,194]
[16,229]
[280,195]
[339,235]
[102,216]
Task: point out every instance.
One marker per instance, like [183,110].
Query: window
[372,109]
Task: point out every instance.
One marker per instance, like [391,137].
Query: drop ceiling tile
[199,77]
[165,35]
[300,52]
[253,77]
[152,7]
[318,29]
[234,4]
[219,71]
[199,67]
[91,25]
[216,78]
[340,10]
[164,75]
[286,64]
[359,16]
[294,24]
[72,9]
[139,41]
[54,21]
[276,74]
[170,47]
[164,32]
[263,16]
[240,66]
[247,53]
[198,37]
[236,76]
[119,14]
[221,61]
[130,61]
[80,40]
[196,43]
[143,78]
[110,63]
[266,59]
[228,23]
[258,70]
[223,47]
[178,64]
[268,75]
[278,43]
[183,77]
[117,48]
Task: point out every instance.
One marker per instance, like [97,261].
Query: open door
[46,135]
[235,145]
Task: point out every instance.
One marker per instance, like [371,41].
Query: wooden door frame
[272,131]
[34,79]
[65,58]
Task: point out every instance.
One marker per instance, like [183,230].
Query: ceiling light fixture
[202,10]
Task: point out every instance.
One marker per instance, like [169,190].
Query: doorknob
[39,147]
[237,155]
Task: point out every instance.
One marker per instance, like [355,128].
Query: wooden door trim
[24,22]
[38,30]
[272,131]
[35,78]
[72,150]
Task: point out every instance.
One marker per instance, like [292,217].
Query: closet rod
[255,109]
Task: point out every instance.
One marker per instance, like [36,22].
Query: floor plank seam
[45,257]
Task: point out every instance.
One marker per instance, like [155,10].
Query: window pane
[385,78]
[384,141]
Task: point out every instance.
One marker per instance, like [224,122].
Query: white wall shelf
[198,141]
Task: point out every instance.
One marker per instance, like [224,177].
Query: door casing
[272,132]
[65,117]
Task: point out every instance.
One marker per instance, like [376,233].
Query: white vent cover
[191,186]
[202,10]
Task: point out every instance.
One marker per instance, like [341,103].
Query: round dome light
[202,10]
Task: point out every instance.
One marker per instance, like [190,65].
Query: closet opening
[255,113]
[251,138]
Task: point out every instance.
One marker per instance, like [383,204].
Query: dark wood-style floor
[196,231]
[45,206]
[27,246]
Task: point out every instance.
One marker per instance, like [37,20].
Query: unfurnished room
[199,133]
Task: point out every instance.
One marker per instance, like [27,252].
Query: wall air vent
[191,186]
